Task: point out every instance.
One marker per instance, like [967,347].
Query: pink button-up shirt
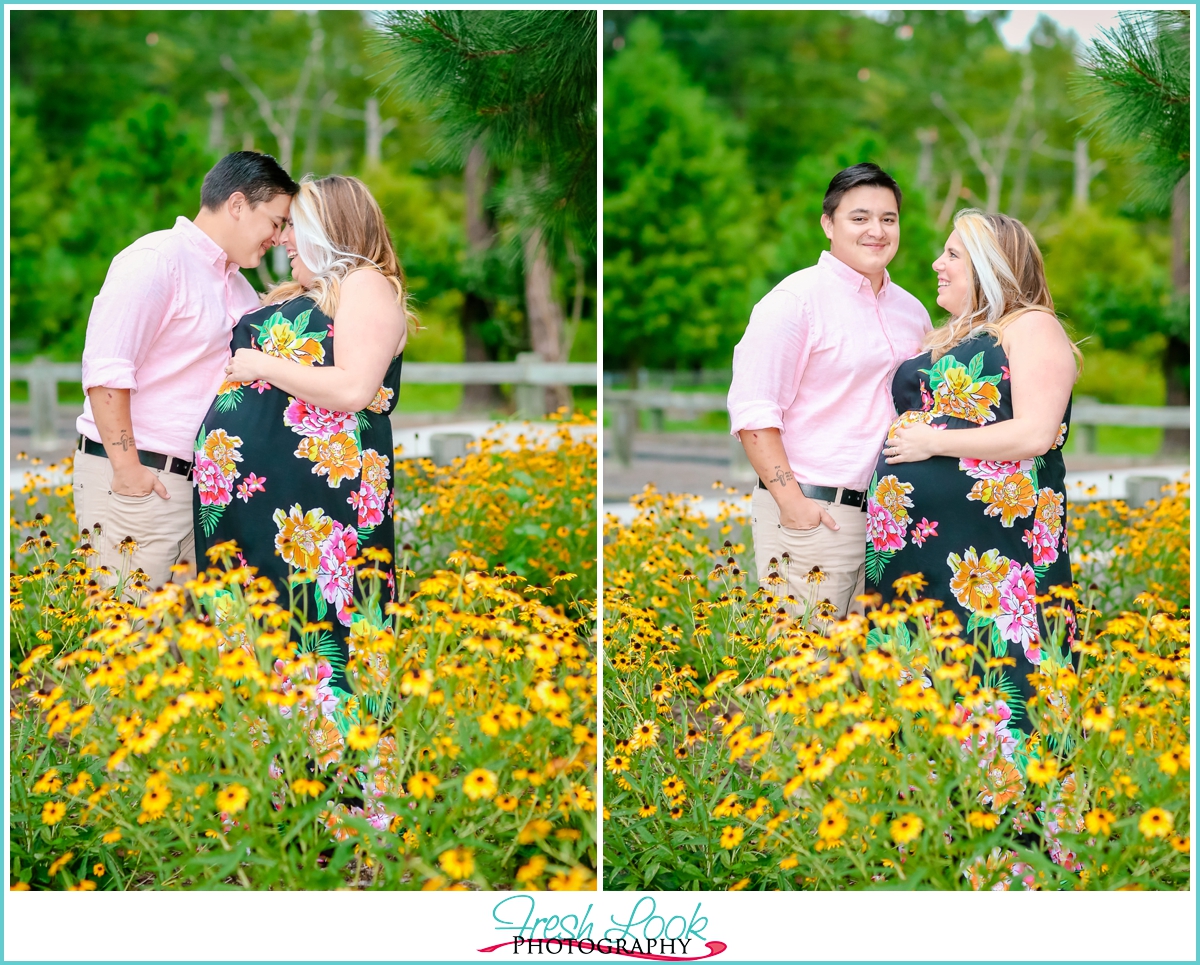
[160,327]
[817,362]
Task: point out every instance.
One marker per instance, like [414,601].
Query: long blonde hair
[339,228]
[1008,280]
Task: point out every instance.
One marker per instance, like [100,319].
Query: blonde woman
[294,459]
[969,489]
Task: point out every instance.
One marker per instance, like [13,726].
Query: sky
[1085,22]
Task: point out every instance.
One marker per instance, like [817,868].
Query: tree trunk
[1177,359]
[476,310]
[543,311]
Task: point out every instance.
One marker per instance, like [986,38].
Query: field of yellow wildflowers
[178,741]
[748,749]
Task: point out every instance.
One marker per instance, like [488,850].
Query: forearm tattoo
[126,441]
[782,476]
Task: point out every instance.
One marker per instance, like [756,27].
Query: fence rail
[1086,414]
[527,372]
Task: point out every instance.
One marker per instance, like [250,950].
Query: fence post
[624,424]
[43,404]
[531,399]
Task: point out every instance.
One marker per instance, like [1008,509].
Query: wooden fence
[527,373]
[624,406]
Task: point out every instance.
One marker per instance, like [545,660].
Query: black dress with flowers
[988,537]
[303,491]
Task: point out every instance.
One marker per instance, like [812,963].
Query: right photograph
[897,448]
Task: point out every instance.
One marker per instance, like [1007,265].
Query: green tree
[682,228]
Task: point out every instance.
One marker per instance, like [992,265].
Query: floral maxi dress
[989,537]
[303,491]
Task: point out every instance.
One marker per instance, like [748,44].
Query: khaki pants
[162,528]
[840,554]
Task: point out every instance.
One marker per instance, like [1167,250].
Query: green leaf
[364,421]
[976,620]
[975,367]
[875,638]
[322,606]
[210,516]
[999,644]
[228,401]
[877,561]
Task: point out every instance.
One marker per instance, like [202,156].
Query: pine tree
[1139,80]
[519,86]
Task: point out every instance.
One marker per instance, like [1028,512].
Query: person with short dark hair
[156,347]
[809,399]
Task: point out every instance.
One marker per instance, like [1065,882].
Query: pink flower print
[212,484]
[261,386]
[1004,373]
[926,398]
[1017,619]
[335,574]
[369,504]
[249,486]
[993,469]
[1042,542]
[884,532]
[922,531]
[314,422]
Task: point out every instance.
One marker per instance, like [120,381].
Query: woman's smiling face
[300,271]
[953,269]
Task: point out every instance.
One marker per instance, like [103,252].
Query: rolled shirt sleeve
[136,299]
[769,362]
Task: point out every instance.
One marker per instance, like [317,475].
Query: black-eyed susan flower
[1156,823]
[479,783]
[53,812]
[906,828]
[731,836]
[507,802]
[230,799]
[458,863]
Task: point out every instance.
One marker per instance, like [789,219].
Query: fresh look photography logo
[642,931]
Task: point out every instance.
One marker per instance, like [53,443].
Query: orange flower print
[336,457]
[300,536]
[375,471]
[963,391]
[1062,436]
[325,740]
[1050,509]
[222,449]
[381,401]
[977,579]
[892,495]
[1002,783]
[290,339]
[1010,498]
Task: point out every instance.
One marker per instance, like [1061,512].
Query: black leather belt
[153,460]
[829,494]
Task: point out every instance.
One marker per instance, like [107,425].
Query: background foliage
[116,116]
[722,129]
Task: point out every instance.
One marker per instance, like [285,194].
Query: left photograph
[302,450]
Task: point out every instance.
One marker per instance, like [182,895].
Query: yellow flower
[788,863]
[112,837]
[617,763]
[731,836]
[283,341]
[479,783]
[892,495]
[59,863]
[646,735]
[232,799]
[1099,821]
[507,802]
[53,812]
[304,786]
[362,738]
[222,449]
[832,826]
[983,820]
[958,394]
[1171,761]
[458,863]
[48,783]
[1042,770]
[98,870]
[86,885]
[535,830]
[1156,823]
[906,828]
[422,784]
[535,867]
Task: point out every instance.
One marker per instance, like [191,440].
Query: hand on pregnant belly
[912,441]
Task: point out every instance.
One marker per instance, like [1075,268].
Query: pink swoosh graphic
[714,948]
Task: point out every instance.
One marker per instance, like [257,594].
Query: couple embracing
[217,415]
[886,448]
